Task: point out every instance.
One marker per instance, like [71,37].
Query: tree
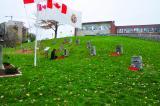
[50,25]
[31,37]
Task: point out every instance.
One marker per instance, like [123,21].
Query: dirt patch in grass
[24,51]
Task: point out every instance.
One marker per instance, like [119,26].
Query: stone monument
[1,57]
[65,40]
[119,49]
[136,61]
[78,41]
[70,40]
[89,44]
[61,48]
[66,52]
[93,51]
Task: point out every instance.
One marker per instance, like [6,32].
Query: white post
[35,48]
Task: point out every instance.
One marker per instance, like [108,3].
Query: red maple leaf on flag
[57,5]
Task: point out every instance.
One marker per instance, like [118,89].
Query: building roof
[100,22]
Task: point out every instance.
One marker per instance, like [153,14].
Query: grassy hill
[84,80]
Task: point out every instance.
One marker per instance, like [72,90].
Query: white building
[97,28]
[12,31]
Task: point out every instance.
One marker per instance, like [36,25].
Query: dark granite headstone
[66,52]
[78,41]
[136,61]
[119,49]
[89,44]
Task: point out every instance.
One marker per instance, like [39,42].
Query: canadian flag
[62,7]
[41,7]
[28,1]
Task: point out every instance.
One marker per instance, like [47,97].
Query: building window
[88,27]
[95,27]
[83,28]
[145,30]
[105,27]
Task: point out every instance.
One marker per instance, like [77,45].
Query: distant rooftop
[150,25]
[13,22]
[100,22]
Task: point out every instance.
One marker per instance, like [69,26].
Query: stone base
[12,75]
[7,71]
[131,68]
[115,54]
[60,57]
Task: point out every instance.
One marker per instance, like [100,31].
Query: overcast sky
[123,12]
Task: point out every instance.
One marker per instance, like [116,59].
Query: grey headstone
[137,61]
[70,40]
[61,48]
[66,52]
[65,40]
[78,41]
[93,51]
[119,49]
[89,44]
[46,52]
[1,57]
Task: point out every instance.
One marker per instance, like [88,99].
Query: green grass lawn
[84,80]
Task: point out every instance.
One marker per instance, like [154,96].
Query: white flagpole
[35,48]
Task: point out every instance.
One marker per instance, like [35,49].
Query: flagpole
[35,48]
